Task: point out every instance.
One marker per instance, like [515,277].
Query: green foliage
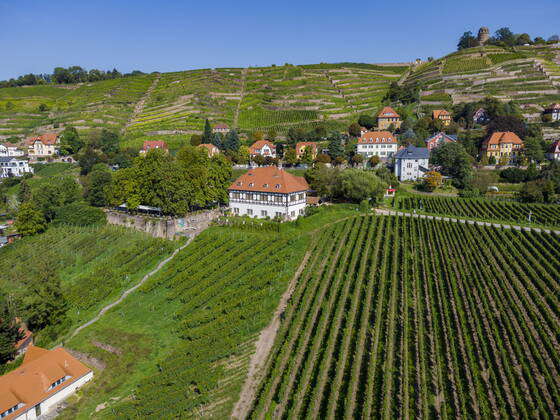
[454,161]
[9,329]
[70,141]
[355,185]
[467,40]
[79,214]
[96,186]
[207,135]
[30,220]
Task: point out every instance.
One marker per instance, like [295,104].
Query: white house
[9,149]
[10,167]
[44,379]
[411,163]
[554,151]
[43,146]
[377,143]
[263,148]
[221,128]
[268,192]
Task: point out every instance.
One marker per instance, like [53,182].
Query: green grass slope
[95,265]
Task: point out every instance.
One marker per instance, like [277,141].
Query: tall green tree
[207,134]
[9,329]
[232,142]
[30,220]
[454,161]
[336,149]
[467,40]
[96,185]
[70,141]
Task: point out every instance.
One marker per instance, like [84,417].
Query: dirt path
[132,289]
[464,220]
[139,107]
[241,95]
[263,347]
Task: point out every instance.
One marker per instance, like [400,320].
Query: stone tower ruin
[483,35]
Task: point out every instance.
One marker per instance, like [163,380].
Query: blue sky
[164,35]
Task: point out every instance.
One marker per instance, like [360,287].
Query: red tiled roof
[29,384]
[210,147]
[49,138]
[269,179]
[259,144]
[221,126]
[501,137]
[154,144]
[377,137]
[554,107]
[436,113]
[388,112]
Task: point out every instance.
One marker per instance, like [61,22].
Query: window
[278,214]
[264,197]
[250,212]
[249,196]
[293,197]
[278,198]
[9,411]
[277,186]
[251,184]
[300,196]
[301,211]
[293,213]
[235,210]
[265,185]
[235,195]
[57,383]
[264,213]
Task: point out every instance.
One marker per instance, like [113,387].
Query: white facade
[50,403]
[10,150]
[260,205]
[409,169]
[383,150]
[10,167]
[40,149]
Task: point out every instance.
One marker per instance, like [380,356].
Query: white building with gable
[268,192]
[377,143]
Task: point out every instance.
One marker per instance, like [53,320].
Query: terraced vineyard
[400,318]
[505,211]
[107,103]
[526,75]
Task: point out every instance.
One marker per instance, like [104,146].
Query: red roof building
[443,115]
[268,192]
[302,146]
[44,379]
[220,128]
[377,143]
[210,148]
[502,145]
[387,117]
[264,148]
[153,145]
[554,151]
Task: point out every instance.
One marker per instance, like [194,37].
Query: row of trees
[503,37]
[61,75]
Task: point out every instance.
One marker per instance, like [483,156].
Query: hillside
[530,76]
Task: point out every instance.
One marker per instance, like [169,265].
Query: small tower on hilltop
[483,35]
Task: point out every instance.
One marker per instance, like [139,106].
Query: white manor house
[268,192]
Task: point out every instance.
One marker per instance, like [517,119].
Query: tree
[259,160]
[554,38]
[357,159]
[109,141]
[506,36]
[355,185]
[207,134]
[96,185]
[323,158]
[87,158]
[524,39]
[290,157]
[9,329]
[354,129]
[29,220]
[218,140]
[432,180]
[232,142]
[79,214]
[467,40]
[513,175]
[454,161]
[47,305]
[196,139]
[24,192]
[374,161]
[70,141]
[534,150]
[335,147]
[323,180]
[56,192]
[366,121]
[501,123]
[306,156]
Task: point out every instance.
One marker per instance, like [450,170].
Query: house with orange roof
[10,150]
[210,148]
[153,145]
[443,115]
[264,148]
[43,146]
[44,379]
[387,117]
[438,139]
[377,143]
[268,192]
[302,146]
[503,145]
[221,128]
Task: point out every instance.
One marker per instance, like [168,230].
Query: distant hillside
[529,76]
[175,105]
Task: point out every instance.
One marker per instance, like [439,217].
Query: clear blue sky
[164,35]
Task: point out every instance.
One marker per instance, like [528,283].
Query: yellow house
[388,116]
[502,144]
[442,115]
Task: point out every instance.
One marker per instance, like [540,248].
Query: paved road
[460,220]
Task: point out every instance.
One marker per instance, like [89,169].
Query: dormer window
[265,185]
[239,184]
[251,184]
[277,186]
[57,383]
